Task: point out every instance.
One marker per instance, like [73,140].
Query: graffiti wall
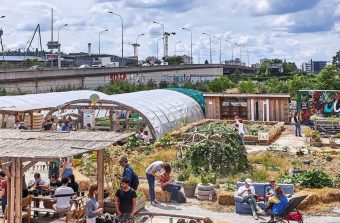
[324,103]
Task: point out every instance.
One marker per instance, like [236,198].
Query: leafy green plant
[132,142]
[255,129]
[315,179]
[207,178]
[148,149]
[167,140]
[192,181]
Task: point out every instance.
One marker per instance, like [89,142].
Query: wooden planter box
[109,205]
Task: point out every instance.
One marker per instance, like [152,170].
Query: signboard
[53,45]
[88,117]
[94,98]
[263,136]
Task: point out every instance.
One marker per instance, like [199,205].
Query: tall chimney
[89,49]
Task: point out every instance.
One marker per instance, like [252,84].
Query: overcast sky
[296,30]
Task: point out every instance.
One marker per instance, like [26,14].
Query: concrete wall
[22,82]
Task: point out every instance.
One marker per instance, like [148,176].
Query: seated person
[247,192]
[37,183]
[145,137]
[92,205]
[53,185]
[278,202]
[63,197]
[270,189]
[72,183]
[166,184]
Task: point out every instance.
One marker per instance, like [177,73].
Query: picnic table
[77,201]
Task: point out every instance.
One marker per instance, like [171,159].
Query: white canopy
[164,109]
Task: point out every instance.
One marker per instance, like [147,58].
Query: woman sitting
[92,205]
[278,202]
[167,185]
[73,184]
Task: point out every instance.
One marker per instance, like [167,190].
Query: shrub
[315,179]
[192,181]
[255,129]
[207,178]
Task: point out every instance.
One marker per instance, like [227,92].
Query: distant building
[93,60]
[236,62]
[264,60]
[187,59]
[313,67]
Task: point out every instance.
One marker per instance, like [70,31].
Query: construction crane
[29,43]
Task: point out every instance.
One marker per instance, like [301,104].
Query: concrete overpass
[46,80]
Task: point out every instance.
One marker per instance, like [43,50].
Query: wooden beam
[9,192]
[18,191]
[11,198]
[5,165]
[31,120]
[42,159]
[111,120]
[28,166]
[100,174]
[8,173]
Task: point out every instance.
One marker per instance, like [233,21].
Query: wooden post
[31,120]
[100,174]
[8,173]
[11,198]
[18,191]
[111,120]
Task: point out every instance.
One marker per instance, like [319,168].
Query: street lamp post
[157,46]
[220,48]
[191,59]
[176,46]
[1,33]
[122,32]
[59,62]
[163,30]
[210,46]
[232,49]
[100,33]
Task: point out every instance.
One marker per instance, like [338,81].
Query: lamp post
[1,33]
[163,30]
[191,59]
[157,46]
[59,62]
[100,33]
[210,46]
[220,48]
[122,32]
[232,49]
[176,46]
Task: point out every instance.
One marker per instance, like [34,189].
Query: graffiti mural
[324,103]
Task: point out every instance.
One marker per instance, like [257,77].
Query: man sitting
[63,197]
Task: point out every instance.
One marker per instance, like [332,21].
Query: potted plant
[332,142]
[206,189]
[318,142]
[190,186]
[308,132]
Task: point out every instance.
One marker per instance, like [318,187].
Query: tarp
[196,95]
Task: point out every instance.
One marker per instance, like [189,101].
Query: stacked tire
[205,192]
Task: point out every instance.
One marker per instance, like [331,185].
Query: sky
[295,30]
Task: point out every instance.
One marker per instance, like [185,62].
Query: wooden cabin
[254,107]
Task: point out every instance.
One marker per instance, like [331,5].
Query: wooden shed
[254,107]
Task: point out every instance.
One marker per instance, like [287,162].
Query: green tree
[174,60]
[300,82]
[274,86]
[247,87]
[289,68]
[328,79]
[220,84]
[336,60]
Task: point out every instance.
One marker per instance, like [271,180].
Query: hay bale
[161,195]
[226,198]
[318,196]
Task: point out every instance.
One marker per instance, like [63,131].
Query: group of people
[275,199]
[144,136]
[50,125]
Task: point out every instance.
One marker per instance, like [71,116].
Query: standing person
[297,121]
[128,173]
[67,167]
[125,201]
[72,183]
[151,174]
[92,205]
[3,187]
[247,192]
[241,130]
[63,197]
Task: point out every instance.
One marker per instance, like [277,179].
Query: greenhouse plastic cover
[165,110]
[44,100]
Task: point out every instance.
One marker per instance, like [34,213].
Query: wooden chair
[80,215]
[70,217]
[26,213]
[26,205]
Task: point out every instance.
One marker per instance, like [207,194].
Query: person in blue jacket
[277,203]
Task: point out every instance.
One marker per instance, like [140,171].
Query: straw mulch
[161,196]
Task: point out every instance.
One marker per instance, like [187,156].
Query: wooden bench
[47,210]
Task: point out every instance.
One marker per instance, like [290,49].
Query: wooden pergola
[20,150]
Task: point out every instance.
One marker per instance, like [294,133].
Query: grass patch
[269,161]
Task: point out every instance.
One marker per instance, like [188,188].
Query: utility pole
[52,37]
[210,46]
